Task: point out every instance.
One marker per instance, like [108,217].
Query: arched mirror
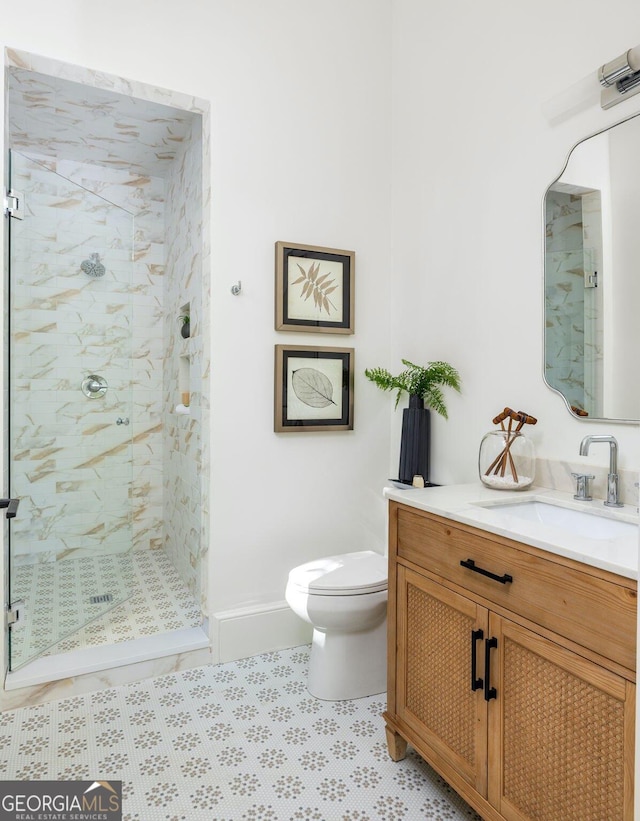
[592,276]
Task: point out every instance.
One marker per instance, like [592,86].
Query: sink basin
[580,522]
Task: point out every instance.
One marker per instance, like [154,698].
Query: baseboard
[249,631]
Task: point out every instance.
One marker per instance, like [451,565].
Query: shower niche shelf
[184,384]
[185,314]
[184,367]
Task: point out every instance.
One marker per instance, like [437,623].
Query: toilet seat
[348,574]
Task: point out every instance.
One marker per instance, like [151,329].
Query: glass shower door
[70,407]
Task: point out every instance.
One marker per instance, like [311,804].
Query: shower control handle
[94,386]
[122,420]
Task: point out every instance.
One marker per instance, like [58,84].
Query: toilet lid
[343,575]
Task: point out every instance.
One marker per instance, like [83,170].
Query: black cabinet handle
[476,683]
[489,691]
[471,565]
[11,505]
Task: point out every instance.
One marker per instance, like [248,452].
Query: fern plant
[419,381]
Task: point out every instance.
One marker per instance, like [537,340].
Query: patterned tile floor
[148,597]
[229,742]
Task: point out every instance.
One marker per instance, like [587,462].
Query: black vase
[414,443]
[185,330]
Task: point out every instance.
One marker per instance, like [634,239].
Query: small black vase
[185,330]
[414,443]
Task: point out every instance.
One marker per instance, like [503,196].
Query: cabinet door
[437,635]
[560,732]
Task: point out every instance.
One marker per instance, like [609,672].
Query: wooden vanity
[511,670]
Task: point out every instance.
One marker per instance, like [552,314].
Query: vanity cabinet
[511,671]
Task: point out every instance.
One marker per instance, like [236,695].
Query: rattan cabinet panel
[556,732]
[522,722]
[436,698]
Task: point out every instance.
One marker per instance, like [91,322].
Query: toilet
[344,598]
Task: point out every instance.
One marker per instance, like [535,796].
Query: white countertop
[471,505]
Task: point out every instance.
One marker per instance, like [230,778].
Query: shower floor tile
[149,597]
[229,742]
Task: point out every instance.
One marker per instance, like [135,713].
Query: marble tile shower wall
[141,131]
[184,368]
[73,464]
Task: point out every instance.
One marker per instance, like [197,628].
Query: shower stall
[71,462]
[105,252]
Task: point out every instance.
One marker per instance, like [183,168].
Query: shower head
[93,267]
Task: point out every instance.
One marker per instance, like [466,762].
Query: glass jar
[506,460]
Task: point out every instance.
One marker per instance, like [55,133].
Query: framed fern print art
[314,289]
[313,389]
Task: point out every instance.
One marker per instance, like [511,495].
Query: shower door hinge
[14,205]
[591,280]
[16,614]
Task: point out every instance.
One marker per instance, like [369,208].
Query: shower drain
[100,599]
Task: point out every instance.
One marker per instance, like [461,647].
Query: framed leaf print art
[314,289]
[313,389]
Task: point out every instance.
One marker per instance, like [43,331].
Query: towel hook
[235,289]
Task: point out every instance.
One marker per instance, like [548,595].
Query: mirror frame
[573,415]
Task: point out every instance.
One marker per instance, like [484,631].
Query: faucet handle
[582,486]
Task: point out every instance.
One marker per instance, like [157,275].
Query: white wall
[473,155]
[300,152]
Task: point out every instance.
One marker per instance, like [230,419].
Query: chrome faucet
[612,479]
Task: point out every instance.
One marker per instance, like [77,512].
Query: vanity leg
[396,744]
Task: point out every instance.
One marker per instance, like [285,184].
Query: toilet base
[348,665]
